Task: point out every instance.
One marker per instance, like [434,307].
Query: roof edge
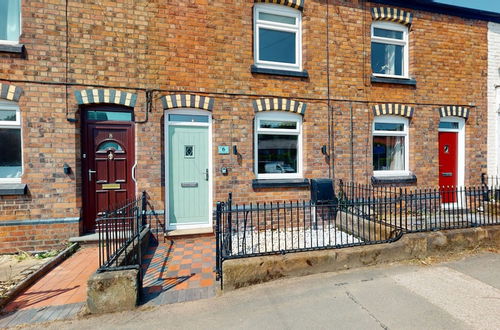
[442,8]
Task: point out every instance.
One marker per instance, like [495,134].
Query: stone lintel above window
[393,109]
[279,104]
[10,92]
[173,101]
[297,4]
[392,15]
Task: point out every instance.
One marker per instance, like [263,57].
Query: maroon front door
[448,165]
[108,158]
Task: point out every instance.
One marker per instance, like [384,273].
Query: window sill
[16,49]
[279,183]
[400,81]
[12,189]
[397,179]
[300,74]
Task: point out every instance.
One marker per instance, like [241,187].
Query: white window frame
[16,42]
[404,133]
[11,106]
[297,29]
[279,116]
[390,41]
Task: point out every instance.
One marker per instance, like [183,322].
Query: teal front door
[188,176]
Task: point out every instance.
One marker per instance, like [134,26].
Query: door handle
[133,172]
[90,174]
[206,174]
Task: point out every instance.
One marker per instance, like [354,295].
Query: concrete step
[189,233]
[87,239]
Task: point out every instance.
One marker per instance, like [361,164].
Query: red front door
[108,158]
[448,165]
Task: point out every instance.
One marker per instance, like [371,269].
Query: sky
[488,5]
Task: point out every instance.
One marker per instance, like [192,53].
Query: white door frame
[460,156]
[168,123]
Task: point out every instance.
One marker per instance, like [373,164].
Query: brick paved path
[176,271]
[179,270]
[59,294]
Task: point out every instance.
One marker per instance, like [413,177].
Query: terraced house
[193,99]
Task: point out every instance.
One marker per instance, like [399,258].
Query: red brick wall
[206,47]
[31,238]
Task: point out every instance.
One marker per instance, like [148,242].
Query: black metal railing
[119,231]
[490,180]
[427,209]
[359,215]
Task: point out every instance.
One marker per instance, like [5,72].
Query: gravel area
[253,241]
[16,267]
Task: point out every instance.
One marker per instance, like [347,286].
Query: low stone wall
[365,229]
[112,291]
[239,273]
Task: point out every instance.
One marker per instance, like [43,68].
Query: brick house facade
[199,54]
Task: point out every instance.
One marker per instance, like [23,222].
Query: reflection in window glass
[10,153]
[276,46]
[189,118]
[277,18]
[9,20]
[388,153]
[7,115]
[384,33]
[109,145]
[277,153]
[387,58]
[448,125]
[278,124]
[389,127]
[109,116]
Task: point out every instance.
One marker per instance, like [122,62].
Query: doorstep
[87,239]
[188,233]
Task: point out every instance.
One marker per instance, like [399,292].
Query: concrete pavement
[460,294]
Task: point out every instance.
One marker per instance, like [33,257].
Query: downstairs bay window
[10,143]
[390,146]
[278,145]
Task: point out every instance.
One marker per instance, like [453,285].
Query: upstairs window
[389,50]
[278,141]
[277,37]
[10,21]
[390,146]
[10,143]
